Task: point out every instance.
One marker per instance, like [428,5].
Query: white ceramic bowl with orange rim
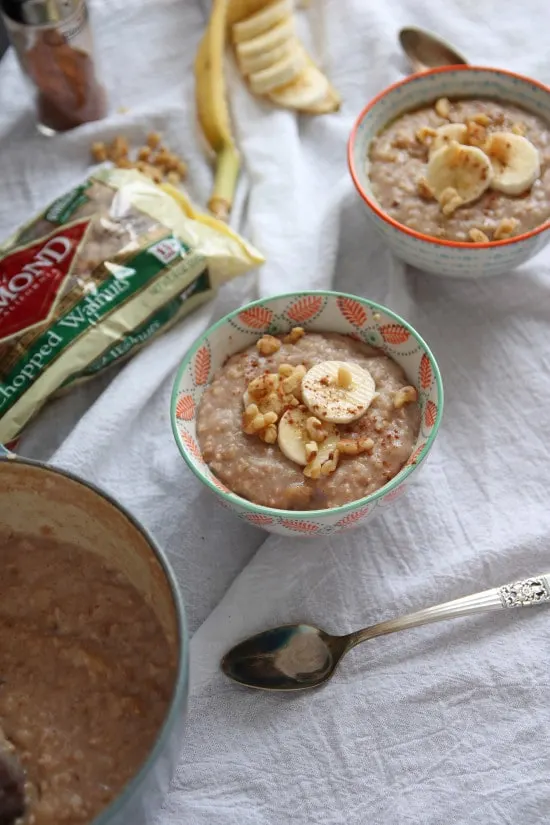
[452,258]
[321,312]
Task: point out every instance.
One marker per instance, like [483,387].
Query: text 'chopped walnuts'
[152,159]
[406,395]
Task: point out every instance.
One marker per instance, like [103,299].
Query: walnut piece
[355,446]
[519,129]
[315,429]
[505,229]
[322,467]
[292,384]
[424,189]
[294,335]
[477,236]
[263,385]
[99,152]
[268,344]
[425,133]
[312,449]
[481,118]
[450,200]
[476,134]
[406,395]
[443,107]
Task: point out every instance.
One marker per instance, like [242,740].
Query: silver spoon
[427,51]
[301,656]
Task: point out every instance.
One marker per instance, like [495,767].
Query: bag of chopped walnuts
[103,270]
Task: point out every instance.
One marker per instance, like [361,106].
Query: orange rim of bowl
[400,226]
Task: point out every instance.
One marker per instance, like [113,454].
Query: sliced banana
[465,169]
[445,134]
[327,399]
[515,162]
[250,65]
[279,73]
[309,92]
[261,21]
[292,437]
[266,41]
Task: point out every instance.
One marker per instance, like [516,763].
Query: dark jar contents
[53,42]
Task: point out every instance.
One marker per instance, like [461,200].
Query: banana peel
[213,110]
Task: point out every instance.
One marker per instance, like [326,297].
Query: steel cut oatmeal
[308,421]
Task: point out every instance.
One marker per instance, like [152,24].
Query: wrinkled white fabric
[444,725]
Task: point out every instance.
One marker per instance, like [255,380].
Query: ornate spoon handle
[524,593]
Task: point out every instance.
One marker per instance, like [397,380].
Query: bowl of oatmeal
[453,166]
[94,652]
[307,413]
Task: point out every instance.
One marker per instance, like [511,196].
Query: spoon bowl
[426,50]
[301,656]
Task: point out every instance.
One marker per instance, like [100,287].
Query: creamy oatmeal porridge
[464,170]
[87,676]
[308,421]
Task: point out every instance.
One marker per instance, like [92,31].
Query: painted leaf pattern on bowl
[202,366]
[305,308]
[256,317]
[352,311]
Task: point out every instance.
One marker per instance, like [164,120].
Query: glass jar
[53,41]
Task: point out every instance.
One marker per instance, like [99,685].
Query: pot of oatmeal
[93,648]
[454,168]
[307,413]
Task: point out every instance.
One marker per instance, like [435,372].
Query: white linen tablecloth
[442,725]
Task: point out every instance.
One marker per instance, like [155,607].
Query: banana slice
[445,134]
[326,395]
[261,21]
[310,92]
[292,437]
[279,73]
[250,65]
[268,40]
[466,170]
[515,162]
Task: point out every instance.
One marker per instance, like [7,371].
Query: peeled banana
[273,59]
[515,162]
[213,111]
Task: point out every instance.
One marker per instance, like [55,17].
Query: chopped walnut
[519,129]
[401,141]
[293,383]
[424,189]
[476,134]
[153,139]
[285,370]
[268,344]
[263,386]
[99,152]
[345,378]
[144,153]
[124,163]
[443,107]
[450,200]
[173,177]
[477,236]
[425,133]
[312,448]
[482,119]
[119,148]
[319,467]
[269,435]
[149,170]
[406,395]
[505,229]
[315,429]
[355,446]
[294,335]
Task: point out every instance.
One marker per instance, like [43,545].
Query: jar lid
[39,12]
